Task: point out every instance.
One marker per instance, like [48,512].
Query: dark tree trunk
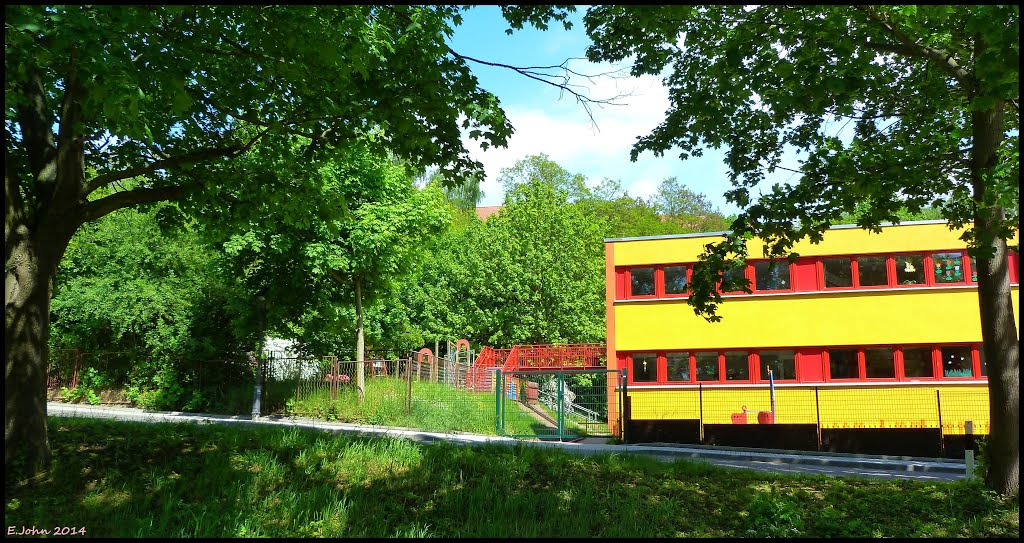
[1001,345]
[28,284]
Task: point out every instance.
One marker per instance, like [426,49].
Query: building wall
[855,317]
[880,316]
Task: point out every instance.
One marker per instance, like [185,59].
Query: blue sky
[544,122]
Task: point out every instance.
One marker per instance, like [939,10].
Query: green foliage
[534,273]
[92,382]
[365,223]
[774,515]
[762,81]
[126,284]
[182,78]
[688,209]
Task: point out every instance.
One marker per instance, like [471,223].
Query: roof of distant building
[487,211]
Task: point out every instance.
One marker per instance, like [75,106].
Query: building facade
[864,331]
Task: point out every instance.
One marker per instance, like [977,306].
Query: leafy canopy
[766,80]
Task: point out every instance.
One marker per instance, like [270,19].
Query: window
[771,275]
[838,272]
[917,362]
[878,364]
[781,363]
[909,270]
[981,357]
[1014,268]
[645,368]
[842,364]
[678,366]
[956,361]
[675,279]
[737,366]
[707,366]
[947,268]
[871,271]
[641,282]
[734,274]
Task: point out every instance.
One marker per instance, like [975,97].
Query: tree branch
[908,47]
[35,123]
[231,151]
[98,208]
[546,78]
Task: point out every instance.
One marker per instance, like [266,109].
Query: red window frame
[890,263]
[820,264]
[629,284]
[690,362]
[657,368]
[901,370]
[748,274]
[752,275]
[863,358]
[718,354]
[689,277]
[975,362]
[929,264]
[762,377]
[858,356]
[722,370]
[890,273]
[756,376]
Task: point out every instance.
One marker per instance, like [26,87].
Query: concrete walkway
[779,461]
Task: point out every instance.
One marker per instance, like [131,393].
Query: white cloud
[564,132]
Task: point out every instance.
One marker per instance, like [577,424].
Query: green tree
[541,167]
[363,231]
[176,94]
[932,95]
[689,209]
[125,284]
[542,274]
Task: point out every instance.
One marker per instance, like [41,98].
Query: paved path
[778,461]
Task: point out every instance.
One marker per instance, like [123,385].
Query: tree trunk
[1001,345]
[360,370]
[30,268]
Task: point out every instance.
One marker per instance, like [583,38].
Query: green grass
[187,480]
[435,407]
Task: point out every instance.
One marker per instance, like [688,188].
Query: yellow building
[863,331]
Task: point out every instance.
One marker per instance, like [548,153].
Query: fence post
[561,405]
[626,415]
[817,411]
[258,390]
[497,401]
[700,421]
[408,385]
[969,449]
[942,440]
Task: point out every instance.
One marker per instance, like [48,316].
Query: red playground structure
[535,357]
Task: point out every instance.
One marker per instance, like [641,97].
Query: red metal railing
[573,355]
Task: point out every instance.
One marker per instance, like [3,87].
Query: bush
[89,387]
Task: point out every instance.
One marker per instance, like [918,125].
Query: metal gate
[563,404]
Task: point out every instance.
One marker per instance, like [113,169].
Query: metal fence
[449,394]
[559,404]
[909,419]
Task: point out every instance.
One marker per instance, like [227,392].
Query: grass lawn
[186,480]
[435,407]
